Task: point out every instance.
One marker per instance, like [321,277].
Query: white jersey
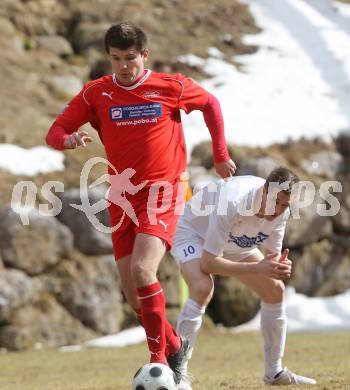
[222,217]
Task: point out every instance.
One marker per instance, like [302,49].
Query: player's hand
[77,139]
[225,169]
[275,269]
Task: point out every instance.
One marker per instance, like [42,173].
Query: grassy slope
[28,105]
[221,362]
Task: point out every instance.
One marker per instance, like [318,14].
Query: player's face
[127,64]
[275,207]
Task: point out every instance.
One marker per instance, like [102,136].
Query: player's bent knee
[274,293]
[202,291]
[277,292]
[143,275]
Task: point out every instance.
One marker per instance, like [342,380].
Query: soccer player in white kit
[221,232]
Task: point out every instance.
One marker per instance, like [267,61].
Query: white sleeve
[275,239]
[218,229]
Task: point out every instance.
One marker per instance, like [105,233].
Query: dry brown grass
[222,361]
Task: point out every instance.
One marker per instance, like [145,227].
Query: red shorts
[153,210]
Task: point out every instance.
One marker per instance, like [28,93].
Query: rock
[201,181]
[36,247]
[343,147]
[169,278]
[325,163]
[310,227]
[199,177]
[6,27]
[322,268]
[87,238]
[99,69]
[88,34]
[66,85]
[16,290]
[202,155]
[55,44]
[341,220]
[233,303]
[89,289]
[259,166]
[45,322]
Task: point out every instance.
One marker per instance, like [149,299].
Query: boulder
[44,323]
[169,278]
[56,44]
[7,29]
[341,220]
[322,268]
[87,238]
[233,303]
[89,289]
[259,166]
[35,247]
[16,290]
[202,155]
[309,227]
[100,68]
[342,143]
[88,34]
[65,86]
[325,163]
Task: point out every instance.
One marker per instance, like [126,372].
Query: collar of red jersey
[133,86]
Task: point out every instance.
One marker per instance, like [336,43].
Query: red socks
[161,337]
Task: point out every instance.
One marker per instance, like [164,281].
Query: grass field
[222,361]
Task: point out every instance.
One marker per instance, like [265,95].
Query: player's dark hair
[284,176]
[124,35]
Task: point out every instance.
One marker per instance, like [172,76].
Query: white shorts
[187,247]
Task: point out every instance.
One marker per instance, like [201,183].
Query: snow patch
[30,162]
[297,83]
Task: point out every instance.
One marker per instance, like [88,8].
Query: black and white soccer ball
[154,376]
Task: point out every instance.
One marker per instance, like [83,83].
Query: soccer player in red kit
[137,115]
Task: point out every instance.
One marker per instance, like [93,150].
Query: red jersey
[139,125]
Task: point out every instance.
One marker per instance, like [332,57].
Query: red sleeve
[192,96]
[77,112]
[215,122]
[56,136]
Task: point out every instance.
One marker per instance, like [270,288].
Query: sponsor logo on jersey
[151,94]
[136,111]
[116,113]
[247,242]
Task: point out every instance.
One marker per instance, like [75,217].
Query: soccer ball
[154,376]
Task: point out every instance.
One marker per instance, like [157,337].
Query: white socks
[189,324]
[274,329]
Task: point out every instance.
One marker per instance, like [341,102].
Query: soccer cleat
[287,377]
[175,359]
[185,383]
